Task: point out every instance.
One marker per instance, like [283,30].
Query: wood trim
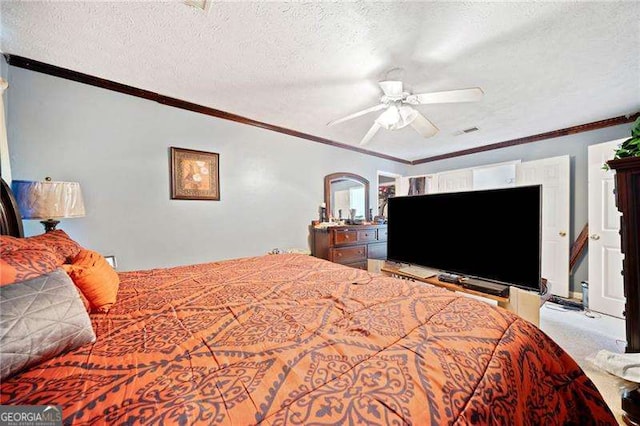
[37,66]
[595,125]
[578,247]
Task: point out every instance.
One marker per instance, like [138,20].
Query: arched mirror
[344,192]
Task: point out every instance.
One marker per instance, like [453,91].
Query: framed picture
[195,175]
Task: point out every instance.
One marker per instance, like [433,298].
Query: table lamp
[48,200]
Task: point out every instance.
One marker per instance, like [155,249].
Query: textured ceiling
[542,66]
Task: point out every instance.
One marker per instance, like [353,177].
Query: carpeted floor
[582,334]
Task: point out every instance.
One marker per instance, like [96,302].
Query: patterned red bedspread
[291,339]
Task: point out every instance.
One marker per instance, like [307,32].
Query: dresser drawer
[348,254]
[345,237]
[350,245]
[367,235]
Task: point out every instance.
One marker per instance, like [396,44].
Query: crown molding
[53,70]
[587,127]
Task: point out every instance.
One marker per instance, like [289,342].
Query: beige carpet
[582,335]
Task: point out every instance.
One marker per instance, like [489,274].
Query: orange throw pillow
[27,263]
[57,242]
[95,278]
[7,273]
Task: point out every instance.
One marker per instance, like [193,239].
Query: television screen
[491,234]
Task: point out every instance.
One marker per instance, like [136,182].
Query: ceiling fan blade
[370,134]
[423,126]
[391,88]
[462,95]
[357,114]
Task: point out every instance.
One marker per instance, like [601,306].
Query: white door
[495,176]
[553,174]
[432,184]
[606,291]
[455,181]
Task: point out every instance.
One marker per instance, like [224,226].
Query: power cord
[543,288]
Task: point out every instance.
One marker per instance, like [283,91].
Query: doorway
[386,188]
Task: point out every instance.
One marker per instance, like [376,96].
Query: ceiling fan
[399,111]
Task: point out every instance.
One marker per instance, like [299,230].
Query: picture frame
[195,175]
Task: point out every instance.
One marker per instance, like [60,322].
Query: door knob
[595,237]
[562,234]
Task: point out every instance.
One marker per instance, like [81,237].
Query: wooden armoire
[628,202]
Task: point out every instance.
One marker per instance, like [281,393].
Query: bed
[292,339]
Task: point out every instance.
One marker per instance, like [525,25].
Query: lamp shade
[48,199]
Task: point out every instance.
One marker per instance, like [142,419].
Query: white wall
[117,147]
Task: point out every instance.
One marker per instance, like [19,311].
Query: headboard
[10,219]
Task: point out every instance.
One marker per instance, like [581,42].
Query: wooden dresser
[350,245]
[628,202]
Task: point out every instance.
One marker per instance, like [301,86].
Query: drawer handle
[339,254]
[346,237]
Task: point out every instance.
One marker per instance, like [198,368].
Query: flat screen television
[492,234]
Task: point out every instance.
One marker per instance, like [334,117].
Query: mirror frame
[346,175]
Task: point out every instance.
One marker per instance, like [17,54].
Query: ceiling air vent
[469,130]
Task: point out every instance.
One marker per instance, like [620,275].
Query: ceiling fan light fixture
[399,111]
[390,118]
[407,115]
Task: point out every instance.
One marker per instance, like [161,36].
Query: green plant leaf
[635,130]
[630,147]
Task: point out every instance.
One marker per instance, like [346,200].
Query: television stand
[419,271]
[525,304]
[486,287]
